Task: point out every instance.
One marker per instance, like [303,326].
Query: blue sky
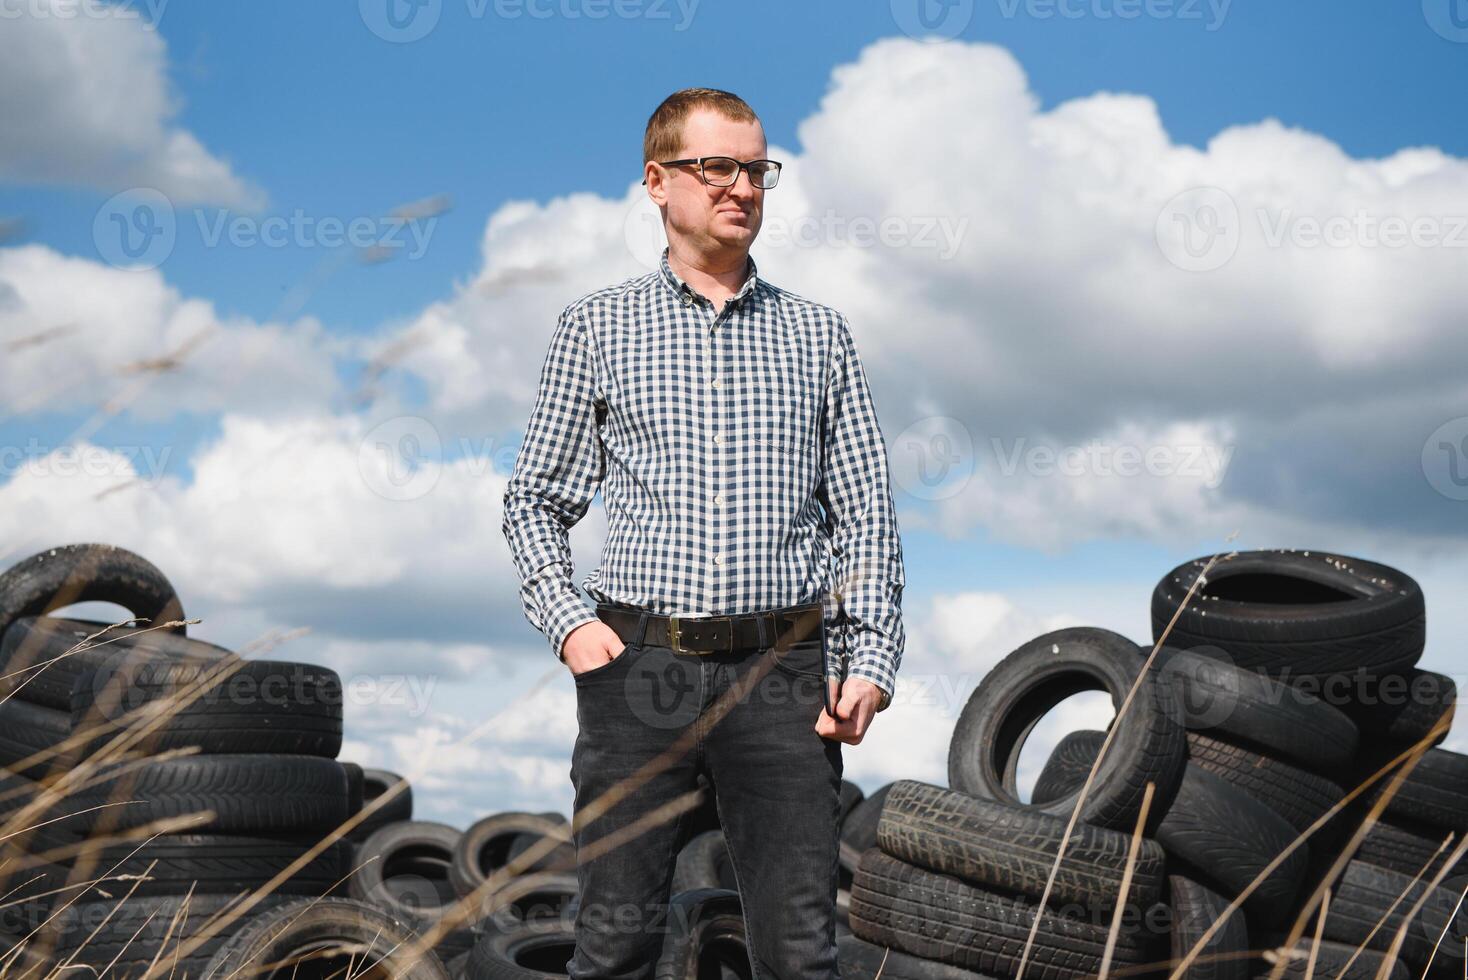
[1325,376]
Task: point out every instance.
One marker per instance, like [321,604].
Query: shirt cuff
[876,666]
[564,615]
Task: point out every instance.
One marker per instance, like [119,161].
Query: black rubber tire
[1407,849]
[1406,708]
[1011,848]
[1300,796]
[375,783]
[703,863]
[705,932]
[851,796]
[248,793]
[1221,831]
[28,735]
[405,869]
[1434,794]
[214,863]
[532,951]
[983,755]
[36,837]
[859,829]
[493,841]
[293,928]
[1195,907]
[1330,960]
[68,933]
[1306,612]
[1362,898]
[1251,708]
[530,898]
[30,641]
[354,788]
[861,960]
[90,572]
[1069,763]
[277,706]
[939,917]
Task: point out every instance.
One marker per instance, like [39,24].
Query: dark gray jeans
[650,720]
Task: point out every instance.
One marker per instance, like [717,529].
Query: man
[751,526]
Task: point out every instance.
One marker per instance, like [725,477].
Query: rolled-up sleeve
[862,520]
[557,472]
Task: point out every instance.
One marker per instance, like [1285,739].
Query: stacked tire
[106,731]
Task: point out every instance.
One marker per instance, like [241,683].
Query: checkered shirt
[739,459]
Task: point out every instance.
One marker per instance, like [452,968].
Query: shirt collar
[683,289]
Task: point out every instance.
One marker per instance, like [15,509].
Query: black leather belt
[714,634]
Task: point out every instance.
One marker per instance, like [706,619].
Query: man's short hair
[664,136]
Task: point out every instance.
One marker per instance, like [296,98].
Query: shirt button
[719,501]
[718,559]
[718,440]
[715,382]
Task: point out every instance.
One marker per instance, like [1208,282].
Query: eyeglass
[724,171]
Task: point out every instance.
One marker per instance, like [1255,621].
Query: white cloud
[100,323]
[85,99]
[1045,312]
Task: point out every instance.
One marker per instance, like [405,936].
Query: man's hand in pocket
[591,645]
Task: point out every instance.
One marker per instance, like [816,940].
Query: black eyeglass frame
[719,156]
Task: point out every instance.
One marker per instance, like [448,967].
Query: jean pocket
[805,658]
[627,651]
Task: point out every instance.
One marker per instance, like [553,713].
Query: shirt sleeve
[862,520]
[557,472]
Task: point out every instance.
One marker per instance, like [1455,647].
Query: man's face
[705,217]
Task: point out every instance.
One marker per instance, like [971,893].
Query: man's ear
[656,180]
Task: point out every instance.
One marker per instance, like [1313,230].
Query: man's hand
[856,701]
[591,645]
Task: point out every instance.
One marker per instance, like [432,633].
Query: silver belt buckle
[674,634]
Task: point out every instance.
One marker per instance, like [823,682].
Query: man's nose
[743,186]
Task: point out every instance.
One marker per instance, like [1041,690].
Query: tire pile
[1286,682]
[242,762]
